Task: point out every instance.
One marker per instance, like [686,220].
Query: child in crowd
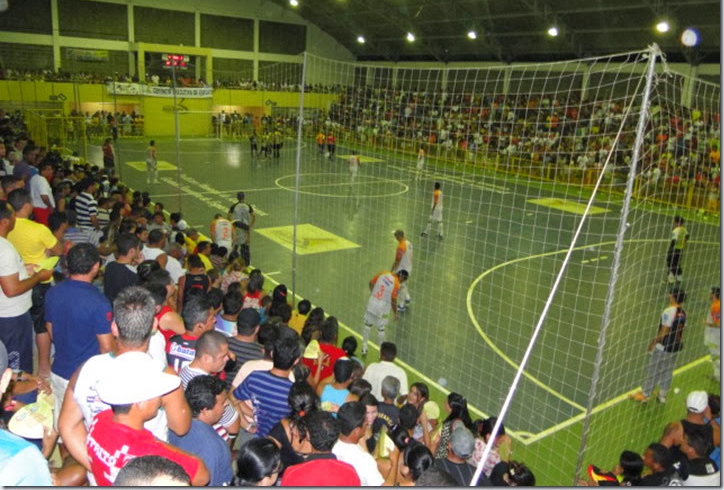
[299,316]
[234,273]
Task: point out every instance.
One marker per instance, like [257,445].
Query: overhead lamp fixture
[690,37]
[553,31]
[361,39]
[662,26]
[472,35]
[294,3]
[410,37]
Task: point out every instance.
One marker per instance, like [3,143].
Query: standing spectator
[328,345]
[388,415]
[207,398]
[263,395]
[195,280]
[16,325]
[34,242]
[712,335]
[377,371]
[121,273]
[243,218]
[458,450]
[198,318]
[679,237]
[78,318]
[86,207]
[336,393]
[109,156]
[458,416]
[132,327]
[226,319]
[663,349]
[133,390]
[25,169]
[351,417]
[173,262]
[154,249]
[41,193]
[384,288]
[321,468]
[22,464]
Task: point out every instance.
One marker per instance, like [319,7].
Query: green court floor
[478,293]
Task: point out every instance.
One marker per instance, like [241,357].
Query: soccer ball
[326,155]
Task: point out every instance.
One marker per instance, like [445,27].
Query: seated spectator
[234,272]
[154,248]
[360,387]
[244,343]
[352,423]
[321,468]
[121,273]
[258,464]
[657,459]
[263,395]
[457,406]
[22,464]
[377,371]
[501,446]
[206,397]
[290,434]
[435,477]
[195,280]
[152,471]
[163,291]
[460,448]
[133,390]
[227,318]
[388,415]
[174,259]
[510,474]
[333,395]
[698,420]
[299,316]
[702,470]
[416,459]
[203,250]
[198,318]
[75,234]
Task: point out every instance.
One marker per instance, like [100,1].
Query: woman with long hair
[258,464]
[290,434]
[457,407]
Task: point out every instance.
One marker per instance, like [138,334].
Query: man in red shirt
[134,391]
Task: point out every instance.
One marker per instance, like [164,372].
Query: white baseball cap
[697,401]
[136,377]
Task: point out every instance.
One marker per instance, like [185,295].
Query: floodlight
[410,37]
[553,31]
[472,35]
[361,39]
[662,26]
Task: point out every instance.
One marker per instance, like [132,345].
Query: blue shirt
[268,394]
[202,440]
[78,312]
[21,463]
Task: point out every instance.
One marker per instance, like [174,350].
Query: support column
[197,43]
[131,41]
[55,23]
[256,50]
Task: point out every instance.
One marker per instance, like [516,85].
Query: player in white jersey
[435,212]
[354,163]
[222,232]
[384,288]
[403,261]
[151,163]
[420,163]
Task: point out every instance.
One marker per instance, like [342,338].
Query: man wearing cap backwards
[384,288]
[134,310]
[243,218]
[663,349]
[698,421]
[21,463]
[134,390]
[459,449]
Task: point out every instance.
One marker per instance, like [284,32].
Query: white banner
[120,88]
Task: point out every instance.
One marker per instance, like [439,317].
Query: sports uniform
[354,163]
[222,232]
[403,259]
[679,237]
[385,287]
[435,213]
[712,338]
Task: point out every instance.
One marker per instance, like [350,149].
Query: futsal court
[476,294]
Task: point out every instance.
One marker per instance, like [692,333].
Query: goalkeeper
[243,218]
[679,237]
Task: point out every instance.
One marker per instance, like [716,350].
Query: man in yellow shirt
[193,238]
[34,242]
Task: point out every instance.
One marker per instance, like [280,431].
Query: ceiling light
[472,35]
[294,3]
[690,37]
[361,39]
[410,37]
[662,26]
[553,31]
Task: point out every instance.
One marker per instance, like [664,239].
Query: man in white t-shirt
[377,371]
[16,284]
[41,193]
[352,425]
[154,247]
[134,311]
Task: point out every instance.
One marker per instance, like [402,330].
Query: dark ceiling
[513,30]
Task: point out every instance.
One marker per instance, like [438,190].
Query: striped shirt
[85,207]
[268,394]
[76,236]
[244,351]
[230,414]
